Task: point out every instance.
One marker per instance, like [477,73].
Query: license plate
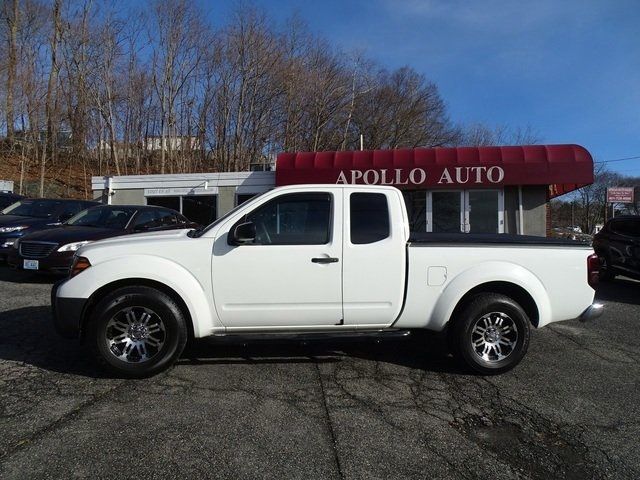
[30,264]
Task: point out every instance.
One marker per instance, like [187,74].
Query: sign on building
[620,195]
[6,186]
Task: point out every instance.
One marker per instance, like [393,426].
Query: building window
[457,211]
[167,202]
[416,202]
[201,209]
[447,213]
[244,197]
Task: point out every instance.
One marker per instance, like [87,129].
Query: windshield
[200,231]
[33,208]
[103,217]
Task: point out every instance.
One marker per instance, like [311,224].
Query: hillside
[64,179]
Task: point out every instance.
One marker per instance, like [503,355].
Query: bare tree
[50,140]
[483,135]
[12,18]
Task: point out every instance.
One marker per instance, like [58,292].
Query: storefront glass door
[484,211]
[446,211]
[465,211]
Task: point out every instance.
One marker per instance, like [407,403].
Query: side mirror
[243,233]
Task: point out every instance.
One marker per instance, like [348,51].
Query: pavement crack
[332,435]
[58,423]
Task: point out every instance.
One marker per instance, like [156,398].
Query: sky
[568,69]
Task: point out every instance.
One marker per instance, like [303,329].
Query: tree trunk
[53,80]
[12,21]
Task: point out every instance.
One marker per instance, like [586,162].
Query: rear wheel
[491,334]
[137,332]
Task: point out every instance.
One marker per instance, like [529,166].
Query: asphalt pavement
[395,409]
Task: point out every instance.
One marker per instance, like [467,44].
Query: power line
[618,159]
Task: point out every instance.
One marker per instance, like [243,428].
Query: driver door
[290,275]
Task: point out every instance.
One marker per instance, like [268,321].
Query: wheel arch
[106,289]
[517,293]
[507,278]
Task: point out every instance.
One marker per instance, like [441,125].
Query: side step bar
[347,336]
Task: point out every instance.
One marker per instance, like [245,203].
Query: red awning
[563,168]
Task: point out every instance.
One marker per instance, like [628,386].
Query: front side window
[369,218]
[294,219]
[146,220]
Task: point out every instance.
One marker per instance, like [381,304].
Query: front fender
[148,267]
[485,273]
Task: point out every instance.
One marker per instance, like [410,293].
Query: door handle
[324,260]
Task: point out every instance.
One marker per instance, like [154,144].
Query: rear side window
[369,218]
[71,208]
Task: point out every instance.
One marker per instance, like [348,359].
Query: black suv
[618,246]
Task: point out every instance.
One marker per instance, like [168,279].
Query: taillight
[593,270]
[79,264]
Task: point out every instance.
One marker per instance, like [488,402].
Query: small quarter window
[369,218]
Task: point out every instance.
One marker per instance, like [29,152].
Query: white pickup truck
[322,260]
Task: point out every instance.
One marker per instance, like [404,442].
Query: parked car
[618,246]
[32,214]
[52,250]
[331,260]
[7,199]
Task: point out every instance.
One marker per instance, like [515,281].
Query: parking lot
[398,409]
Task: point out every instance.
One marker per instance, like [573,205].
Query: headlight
[72,247]
[13,229]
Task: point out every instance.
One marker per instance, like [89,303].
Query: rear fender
[486,273]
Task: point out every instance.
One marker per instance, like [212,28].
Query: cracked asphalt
[395,409]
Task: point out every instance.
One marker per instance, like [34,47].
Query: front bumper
[67,313]
[592,312]
[58,263]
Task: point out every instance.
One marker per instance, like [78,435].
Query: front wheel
[491,334]
[137,332]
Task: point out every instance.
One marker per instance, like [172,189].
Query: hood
[159,235]
[137,240]
[70,234]
[15,220]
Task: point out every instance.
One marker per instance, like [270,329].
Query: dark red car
[52,250]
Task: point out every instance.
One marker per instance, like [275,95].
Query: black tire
[164,317]
[606,273]
[498,309]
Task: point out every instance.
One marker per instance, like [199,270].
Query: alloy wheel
[494,336]
[135,334]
